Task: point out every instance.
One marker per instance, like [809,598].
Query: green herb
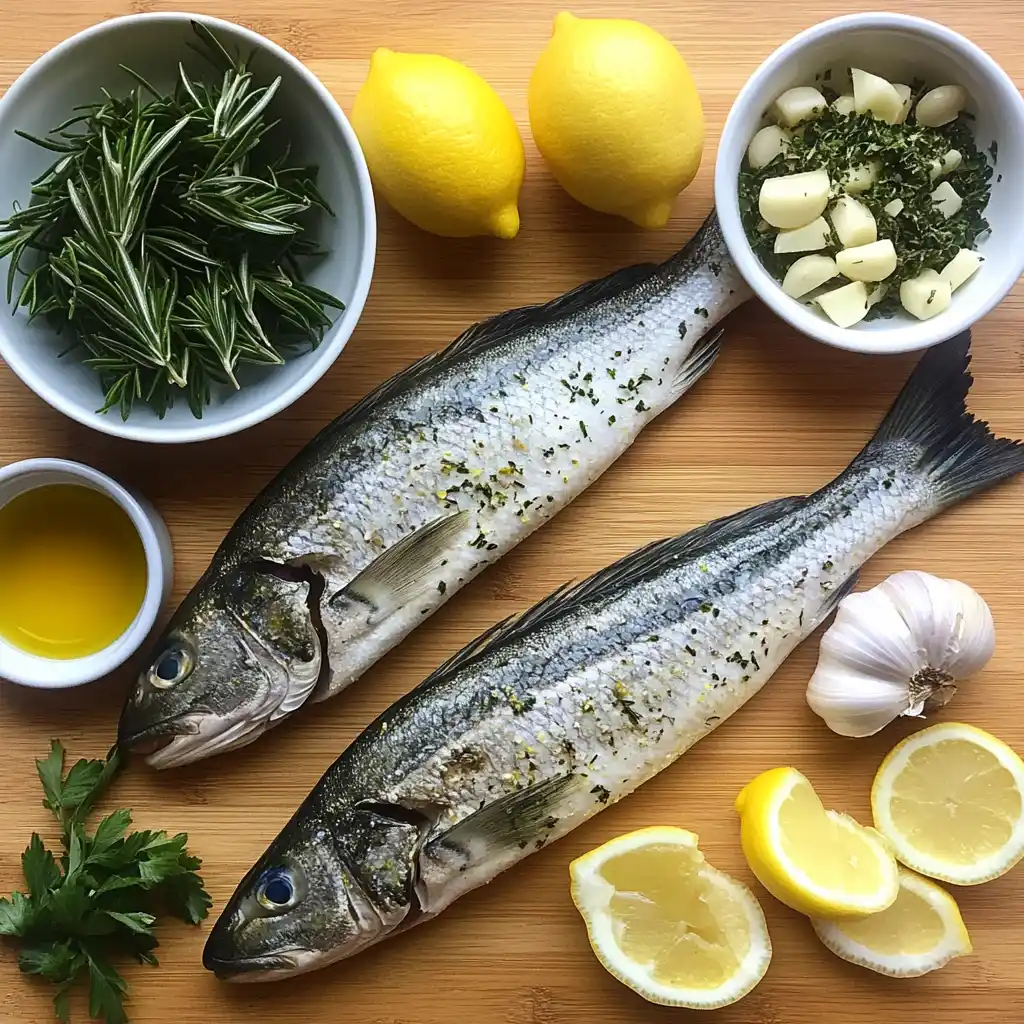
[99,899]
[166,238]
[921,235]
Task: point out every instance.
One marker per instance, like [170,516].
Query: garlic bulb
[898,649]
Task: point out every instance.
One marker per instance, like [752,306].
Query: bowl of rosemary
[868,182]
[188,230]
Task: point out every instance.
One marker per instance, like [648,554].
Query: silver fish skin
[414,491]
[548,718]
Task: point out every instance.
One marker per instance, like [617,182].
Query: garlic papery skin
[898,649]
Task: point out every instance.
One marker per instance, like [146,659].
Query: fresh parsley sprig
[99,899]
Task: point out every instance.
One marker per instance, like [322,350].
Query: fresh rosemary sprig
[168,236]
[920,234]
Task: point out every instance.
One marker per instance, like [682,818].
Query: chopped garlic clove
[946,164]
[845,306]
[853,222]
[904,93]
[809,238]
[940,106]
[875,95]
[861,178]
[926,295]
[878,294]
[793,200]
[872,262]
[844,104]
[796,105]
[766,145]
[895,208]
[808,273]
[960,268]
[947,199]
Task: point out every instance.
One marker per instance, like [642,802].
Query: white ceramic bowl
[73,73]
[16,665]
[899,48]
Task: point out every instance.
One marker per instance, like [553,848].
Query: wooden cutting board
[779,415]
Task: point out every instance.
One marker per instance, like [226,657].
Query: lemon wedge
[819,862]
[666,923]
[950,800]
[921,932]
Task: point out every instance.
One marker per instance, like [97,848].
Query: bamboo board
[778,415]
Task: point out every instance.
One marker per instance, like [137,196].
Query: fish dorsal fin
[482,335]
[501,327]
[611,580]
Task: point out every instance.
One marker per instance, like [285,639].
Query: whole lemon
[616,116]
[440,145]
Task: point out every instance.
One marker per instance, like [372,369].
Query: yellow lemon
[921,932]
[666,923]
[816,861]
[440,145]
[616,116]
[950,800]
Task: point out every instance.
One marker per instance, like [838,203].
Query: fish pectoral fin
[393,578]
[513,820]
[701,358]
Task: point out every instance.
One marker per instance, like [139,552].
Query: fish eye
[276,890]
[171,668]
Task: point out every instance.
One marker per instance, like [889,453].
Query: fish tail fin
[929,422]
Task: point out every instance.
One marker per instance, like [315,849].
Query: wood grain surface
[779,415]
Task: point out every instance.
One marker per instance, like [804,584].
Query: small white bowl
[73,73]
[18,666]
[900,48]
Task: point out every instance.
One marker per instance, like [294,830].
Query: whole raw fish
[546,719]
[412,492]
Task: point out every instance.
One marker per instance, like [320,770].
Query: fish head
[241,653]
[321,893]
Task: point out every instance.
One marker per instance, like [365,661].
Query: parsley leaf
[186,898]
[39,867]
[100,897]
[106,991]
[16,915]
[56,961]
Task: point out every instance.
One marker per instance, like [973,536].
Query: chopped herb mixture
[920,233]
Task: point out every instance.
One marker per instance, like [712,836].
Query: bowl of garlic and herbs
[186,226]
[867,182]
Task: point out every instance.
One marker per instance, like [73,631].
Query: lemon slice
[921,932]
[949,800]
[666,923]
[819,862]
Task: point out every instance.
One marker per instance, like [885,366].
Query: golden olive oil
[72,571]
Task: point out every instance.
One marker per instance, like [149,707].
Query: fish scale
[409,495]
[550,717]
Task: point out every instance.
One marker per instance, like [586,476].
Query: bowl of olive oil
[85,566]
